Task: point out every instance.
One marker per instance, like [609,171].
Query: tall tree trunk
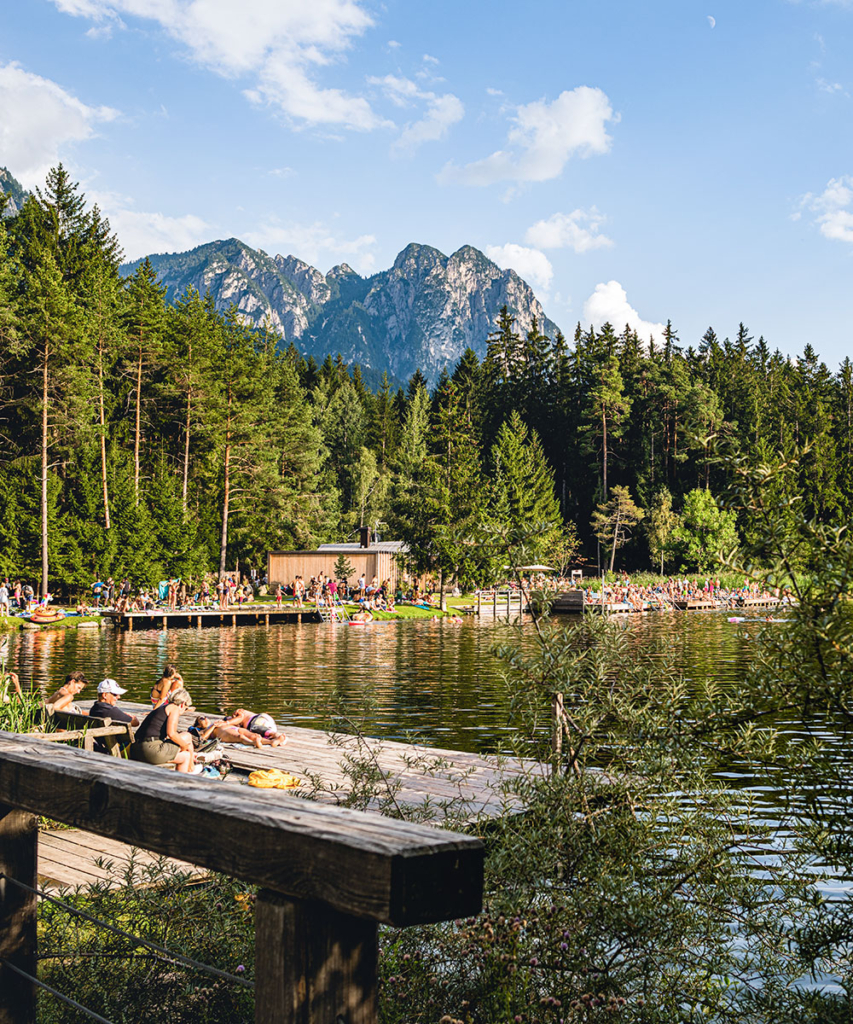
[604,453]
[615,539]
[102,420]
[226,496]
[186,453]
[187,429]
[44,550]
[137,429]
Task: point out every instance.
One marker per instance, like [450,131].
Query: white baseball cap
[110,686]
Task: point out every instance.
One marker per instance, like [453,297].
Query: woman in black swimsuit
[159,741]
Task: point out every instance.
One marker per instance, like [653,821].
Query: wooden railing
[328,875]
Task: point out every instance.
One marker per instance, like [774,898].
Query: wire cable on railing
[55,992]
[166,954]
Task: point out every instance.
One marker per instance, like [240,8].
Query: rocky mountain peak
[421,313]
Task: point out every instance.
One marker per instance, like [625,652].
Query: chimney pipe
[364,536]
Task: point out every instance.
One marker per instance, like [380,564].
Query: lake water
[426,677]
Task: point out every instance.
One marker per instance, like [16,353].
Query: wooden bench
[88,729]
[327,875]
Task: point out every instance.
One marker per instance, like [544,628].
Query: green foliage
[661,526]
[343,568]
[211,921]
[704,533]
[614,520]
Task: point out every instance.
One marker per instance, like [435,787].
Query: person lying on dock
[159,739]
[264,725]
[63,698]
[170,680]
[229,730]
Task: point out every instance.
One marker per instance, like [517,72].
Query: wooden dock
[428,783]
[68,858]
[569,602]
[197,618]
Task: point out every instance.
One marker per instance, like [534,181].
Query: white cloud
[442,112]
[832,208]
[142,233]
[833,88]
[712,21]
[609,304]
[40,120]
[314,243]
[578,230]
[427,59]
[530,264]
[543,138]
[280,44]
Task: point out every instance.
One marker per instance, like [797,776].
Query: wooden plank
[18,846]
[312,964]
[360,864]
[70,857]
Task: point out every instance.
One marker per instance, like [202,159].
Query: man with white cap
[105,706]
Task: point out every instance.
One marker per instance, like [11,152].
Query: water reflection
[438,680]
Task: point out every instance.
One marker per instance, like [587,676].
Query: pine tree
[523,486]
[614,520]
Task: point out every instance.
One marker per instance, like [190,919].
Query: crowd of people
[666,595]
[159,737]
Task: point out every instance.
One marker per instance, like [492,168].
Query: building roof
[390,546]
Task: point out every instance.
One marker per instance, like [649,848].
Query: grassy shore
[11,623]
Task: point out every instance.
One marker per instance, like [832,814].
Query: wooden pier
[431,782]
[569,602]
[328,876]
[197,618]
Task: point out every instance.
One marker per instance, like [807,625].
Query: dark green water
[435,679]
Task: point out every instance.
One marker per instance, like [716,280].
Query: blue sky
[634,162]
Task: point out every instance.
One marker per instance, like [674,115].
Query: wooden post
[508,603]
[130,623]
[312,963]
[18,849]
[557,730]
[299,617]
[198,621]
[266,618]
[495,602]
[479,602]
[164,622]
[233,618]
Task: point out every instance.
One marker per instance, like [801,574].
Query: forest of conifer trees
[143,439]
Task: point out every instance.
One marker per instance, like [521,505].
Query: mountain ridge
[421,313]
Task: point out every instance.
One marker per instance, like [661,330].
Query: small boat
[41,616]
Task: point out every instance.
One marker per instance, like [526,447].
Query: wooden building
[368,558]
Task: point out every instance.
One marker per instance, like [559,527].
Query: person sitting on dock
[263,724]
[170,680]
[159,739]
[229,730]
[105,707]
[63,698]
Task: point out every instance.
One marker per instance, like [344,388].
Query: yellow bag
[273,778]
